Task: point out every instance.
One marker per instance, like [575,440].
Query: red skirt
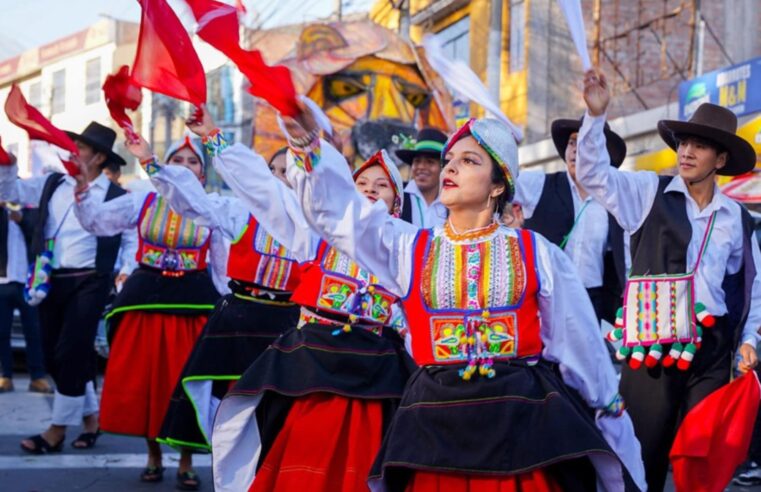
[536,481]
[327,444]
[147,357]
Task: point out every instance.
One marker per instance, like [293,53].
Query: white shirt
[588,239]
[16,267]
[424,215]
[74,247]
[629,196]
[123,213]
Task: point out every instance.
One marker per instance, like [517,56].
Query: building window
[220,95]
[517,35]
[35,94]
[455,40]
[92,81]
[58,96]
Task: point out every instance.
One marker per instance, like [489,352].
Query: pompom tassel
[622,353]
[686,358]
[704,317]
[654,355]
[674,353]
[638,356]
[619,323]
[615,335]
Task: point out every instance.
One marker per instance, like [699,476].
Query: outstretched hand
[596,92]
[301,126]
[201,122]
[138,147]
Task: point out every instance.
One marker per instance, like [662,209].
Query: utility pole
[701,39]
[404,19]
[339,9]
[494,53]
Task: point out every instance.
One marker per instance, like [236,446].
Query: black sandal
[152,474]
[41,446]
[88,438]
[188,480]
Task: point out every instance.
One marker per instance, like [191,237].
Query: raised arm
[349,221]
[628,196]
[108,218]
[273,204]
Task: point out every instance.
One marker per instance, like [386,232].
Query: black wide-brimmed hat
[561,132]
[428,142]
[718,125]
[101,138]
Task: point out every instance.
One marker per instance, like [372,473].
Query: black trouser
[658,399]
[69,318]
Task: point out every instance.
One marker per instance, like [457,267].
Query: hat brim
[408,155]
[111,156]
[562,130]
[742,157]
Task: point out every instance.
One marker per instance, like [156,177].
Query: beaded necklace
[471,235]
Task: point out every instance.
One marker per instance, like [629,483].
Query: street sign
[737,87]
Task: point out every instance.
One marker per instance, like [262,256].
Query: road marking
[116,460]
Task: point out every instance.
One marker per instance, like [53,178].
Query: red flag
[26,116]
[166,61]
[5,159]
[714,437]
[218,26]
[121,93]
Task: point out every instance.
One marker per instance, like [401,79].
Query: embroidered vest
[168,241]
[474,303]
[334,284]
[257,258]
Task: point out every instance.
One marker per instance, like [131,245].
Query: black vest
[407,208]
[554,216]
[107,248]
[660,246]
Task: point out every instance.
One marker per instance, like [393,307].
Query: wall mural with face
[371,83]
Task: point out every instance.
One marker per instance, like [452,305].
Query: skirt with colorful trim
[309,377]
[148,289]
[523,420]
[238,331]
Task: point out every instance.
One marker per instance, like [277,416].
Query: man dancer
[421,206]
[556,206]
[80,282]
[678,225]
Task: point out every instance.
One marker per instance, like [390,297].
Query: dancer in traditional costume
[499,323]
[156,319]
[80,273]
[310,412]
[244,322]
[693,294]
[555,206]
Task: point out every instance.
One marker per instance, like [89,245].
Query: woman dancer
[310,412]
[244,322]
[501,327]
[157,317]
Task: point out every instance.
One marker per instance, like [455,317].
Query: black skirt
[311,359]
[238,331]
[148,290]
[525,418]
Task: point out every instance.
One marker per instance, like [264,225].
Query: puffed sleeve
[108,218]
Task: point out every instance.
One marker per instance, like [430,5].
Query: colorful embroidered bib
[167,240]
[476,301]
[335,284]
[257,258]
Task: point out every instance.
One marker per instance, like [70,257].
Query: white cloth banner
[572,11]
[464,81]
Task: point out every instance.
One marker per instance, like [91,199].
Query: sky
[22,26]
